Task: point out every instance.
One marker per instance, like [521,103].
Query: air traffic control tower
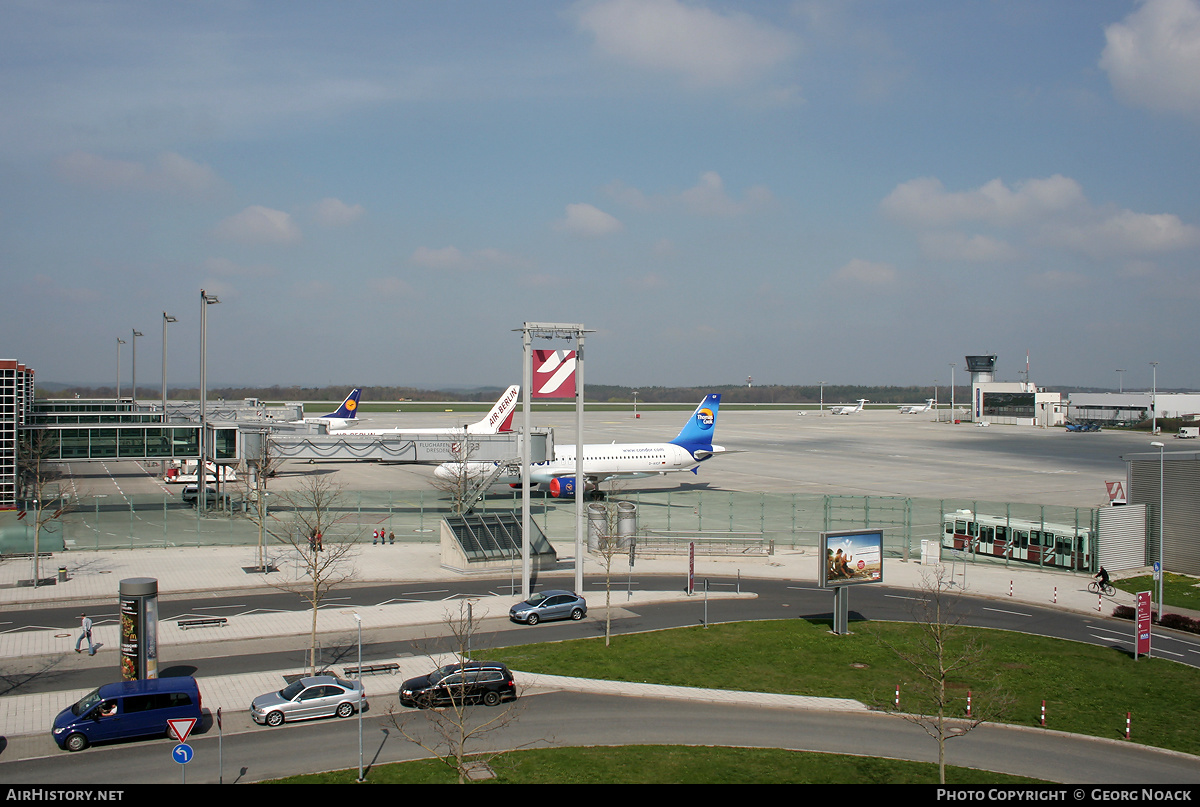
[982,369]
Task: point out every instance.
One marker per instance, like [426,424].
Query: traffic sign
[182,753]
[181,727]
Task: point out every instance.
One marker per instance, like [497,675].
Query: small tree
[261,466]
[459,476]
[608,549]
[941,657]
[455,733]
[305,522]
[39,479]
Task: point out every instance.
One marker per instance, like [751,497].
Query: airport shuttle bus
[1063,546]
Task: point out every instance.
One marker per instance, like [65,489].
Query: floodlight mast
[551,330]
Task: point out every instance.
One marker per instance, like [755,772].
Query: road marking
[1002,611]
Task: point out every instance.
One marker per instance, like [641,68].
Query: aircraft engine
[564,486]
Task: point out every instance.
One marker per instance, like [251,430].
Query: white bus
[1063,546]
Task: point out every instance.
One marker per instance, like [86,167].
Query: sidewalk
[93,578]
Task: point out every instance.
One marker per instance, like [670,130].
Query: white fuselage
[601,461]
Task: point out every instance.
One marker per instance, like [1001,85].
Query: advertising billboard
[851,557]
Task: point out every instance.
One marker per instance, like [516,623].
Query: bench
[371,669]
[207,622]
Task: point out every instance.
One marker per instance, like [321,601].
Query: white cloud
[586,220]
[444,258]
[259,225]
[707,197]
[1129,233]
[865,273]
[957,246]
[336,213]
[925,202]
[169,173]
[1153,56]
[701,45]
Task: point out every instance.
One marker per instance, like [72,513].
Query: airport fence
[763,523]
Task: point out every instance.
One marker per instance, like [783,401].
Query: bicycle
[1106,589]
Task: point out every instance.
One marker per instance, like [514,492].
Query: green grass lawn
[1179,591]
[1087,689]
[673,765]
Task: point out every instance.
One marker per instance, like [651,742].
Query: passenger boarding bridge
[81,431]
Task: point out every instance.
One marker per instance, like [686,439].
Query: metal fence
[780,521]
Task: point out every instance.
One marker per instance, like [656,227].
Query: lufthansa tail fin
[349,407]
[697,434]
[500,418]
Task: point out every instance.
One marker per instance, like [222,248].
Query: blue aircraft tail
[348,408]
[697,434]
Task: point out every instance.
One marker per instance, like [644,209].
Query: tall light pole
[136,334]
[1161,538]
[1154,397]
[822,397]
[166,319]
[952,366]
[1120,380]
[202,472]
[362,696]
[120,342]
[635,394]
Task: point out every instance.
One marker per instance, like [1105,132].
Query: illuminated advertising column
[139,628]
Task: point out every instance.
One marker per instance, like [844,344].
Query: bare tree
[39,479]
[460,476]
[262,463]
[608,549]
[458,732]
[942,655]
[309,521]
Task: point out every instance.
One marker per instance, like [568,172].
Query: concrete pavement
[93,579]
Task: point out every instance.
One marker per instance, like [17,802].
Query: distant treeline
[598,393]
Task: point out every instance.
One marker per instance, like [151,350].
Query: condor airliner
[496,421]
[605,461]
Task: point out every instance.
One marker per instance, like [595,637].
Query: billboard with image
[851,557]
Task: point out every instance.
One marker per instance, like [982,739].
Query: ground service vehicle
[127,709]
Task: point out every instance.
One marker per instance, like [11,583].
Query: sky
[382,193]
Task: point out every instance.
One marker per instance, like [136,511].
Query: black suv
[485,682]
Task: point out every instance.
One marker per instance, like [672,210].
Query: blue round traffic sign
[182,753]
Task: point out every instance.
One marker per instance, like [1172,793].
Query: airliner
[605,461]
[912,409]
[498,420]
[342,415]
[848,410]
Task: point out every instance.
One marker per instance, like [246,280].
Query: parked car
[549,605]
[192,492]
[483,682]
[127,709]
[310,697]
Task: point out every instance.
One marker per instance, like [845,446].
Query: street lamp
[1121,379]
[952,366]
[362,695]
[822,383]
[1154,398]
[120,342]
[635,394]
[166,319]
[136,334]
[202,475]
[1161,538]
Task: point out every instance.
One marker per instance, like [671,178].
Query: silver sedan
[307,698]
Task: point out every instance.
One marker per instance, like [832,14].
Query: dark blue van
[127,709]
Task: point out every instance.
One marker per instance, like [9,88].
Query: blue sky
[381,192]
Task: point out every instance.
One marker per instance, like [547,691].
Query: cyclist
[1102,577]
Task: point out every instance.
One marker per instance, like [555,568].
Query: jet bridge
[417,447]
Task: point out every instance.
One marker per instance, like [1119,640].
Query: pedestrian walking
[85,633]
